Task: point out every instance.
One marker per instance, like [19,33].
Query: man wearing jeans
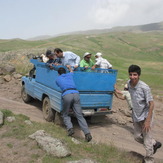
[142,112]
[71,99]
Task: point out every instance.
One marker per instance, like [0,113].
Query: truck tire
[25,97]
[48,112]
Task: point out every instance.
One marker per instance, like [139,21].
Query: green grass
[10,145]
[121,48]
[102,153]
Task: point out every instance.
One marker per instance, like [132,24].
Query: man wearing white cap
[124,95]
[86,62]
[101,62]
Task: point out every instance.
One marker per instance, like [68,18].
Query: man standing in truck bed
[67,58]
[71,99]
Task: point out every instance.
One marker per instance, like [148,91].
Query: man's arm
[149,117]
[118,93]
[69,68]
[77,59]
[81,63]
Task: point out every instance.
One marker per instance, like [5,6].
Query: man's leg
[67,101]
[78,112]
[149,143]
[145,139]
[138,132]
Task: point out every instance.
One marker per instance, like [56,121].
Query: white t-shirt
[103,63]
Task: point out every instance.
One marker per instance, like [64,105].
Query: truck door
[30,83]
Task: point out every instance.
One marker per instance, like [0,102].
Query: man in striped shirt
[142,112]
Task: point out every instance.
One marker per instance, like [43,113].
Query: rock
[8,69]
[28,122]
[51,145]
[38,133]
[83,161]
[117,119]
[75,141]
[11,119]
[17,76]
[1,118]
[7,78]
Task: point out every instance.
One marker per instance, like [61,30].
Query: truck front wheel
[25,97]
[48,112]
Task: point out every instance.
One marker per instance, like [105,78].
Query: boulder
[51,145]
[11,119]
[28,122]
[8,69]
[117,119]
[17,76]
[7,78]
[75,141]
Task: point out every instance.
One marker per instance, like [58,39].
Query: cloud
[109,13]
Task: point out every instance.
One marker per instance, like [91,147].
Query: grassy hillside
[120,48]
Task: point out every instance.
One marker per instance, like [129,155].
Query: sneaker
[88,137]
[70,132]
[156,146]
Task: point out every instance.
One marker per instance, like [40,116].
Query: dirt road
[115,129]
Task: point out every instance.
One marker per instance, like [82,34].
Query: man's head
[87,56]
[134,73]
[134,68]
[50,54]
[61,71]
[58,52]
[98,54]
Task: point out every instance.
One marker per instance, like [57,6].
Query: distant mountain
[138,28]
[42,37]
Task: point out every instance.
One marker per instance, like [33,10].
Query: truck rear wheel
[25,97]
[48,112]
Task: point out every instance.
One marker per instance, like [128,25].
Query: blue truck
[95,87]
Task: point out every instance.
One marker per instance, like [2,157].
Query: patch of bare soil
[115,129]
[22,151]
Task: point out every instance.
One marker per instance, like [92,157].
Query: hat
[49,53]
[85,54]
[98,54]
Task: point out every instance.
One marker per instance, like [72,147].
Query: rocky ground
[116,128]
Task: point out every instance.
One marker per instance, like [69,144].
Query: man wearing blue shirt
[67,58]
[71,99]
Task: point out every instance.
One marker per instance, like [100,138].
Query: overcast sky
[29,18]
